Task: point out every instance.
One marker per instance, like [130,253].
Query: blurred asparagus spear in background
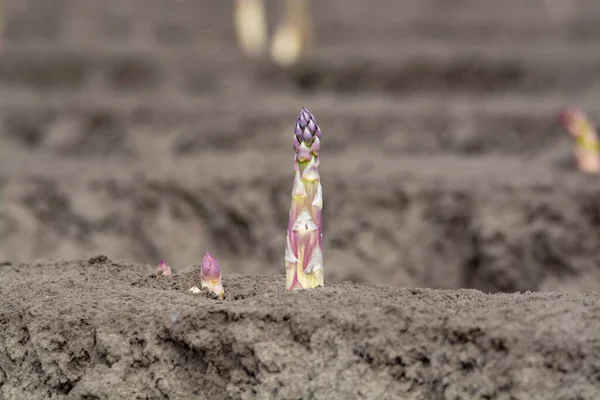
[293,35]
[291,38]
[210,275]
[304,239]
[587,146]
[251,25]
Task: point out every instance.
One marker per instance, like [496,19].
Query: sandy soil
[137,130]
[97,329]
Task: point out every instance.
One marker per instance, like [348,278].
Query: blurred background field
[138,129]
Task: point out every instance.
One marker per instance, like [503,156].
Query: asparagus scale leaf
[304,239]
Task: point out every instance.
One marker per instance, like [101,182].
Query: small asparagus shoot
[304,239]
[587,145]
[163,269]
[210,275]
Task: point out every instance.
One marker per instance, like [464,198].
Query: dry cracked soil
[462,247]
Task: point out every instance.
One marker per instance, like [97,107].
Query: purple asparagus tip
[210,275]
[163,269]
[306,129]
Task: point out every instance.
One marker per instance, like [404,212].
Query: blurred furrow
[85,127]
[186,22]
[398,70]
[139,130]
[494,224]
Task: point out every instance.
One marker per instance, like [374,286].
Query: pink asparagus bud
[587,146]
[210,275]
[304,239]
[163,269]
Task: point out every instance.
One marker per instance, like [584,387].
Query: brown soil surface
[136,129]
[97,329]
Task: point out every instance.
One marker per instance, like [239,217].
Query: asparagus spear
[251,25]
[163,269]
[294,34]
[304,239]
[210,275]
[587,146]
